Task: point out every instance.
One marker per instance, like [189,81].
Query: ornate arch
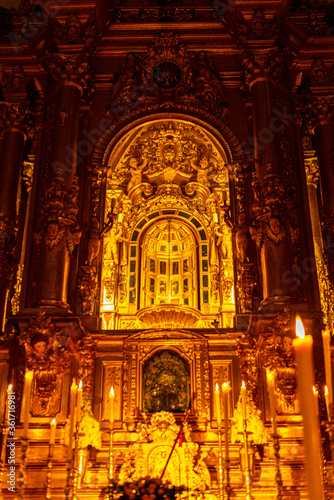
[113,132]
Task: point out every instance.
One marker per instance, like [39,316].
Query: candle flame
[217,387]
[225,385]
[315,390]
[300,332]
[80,384]
[112,392]
[10,387]
[243,384]
[53,421]
[326,389]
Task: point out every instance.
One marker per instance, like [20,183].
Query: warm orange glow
[10,387]
[314,391]
[225,385]
[111,393]
[243,384]
[217,387]
[53,421]
[326,389]
[80,384]
[300,332]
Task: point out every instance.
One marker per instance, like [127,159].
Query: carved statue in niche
[166,383]
[94,242]
[206,82]
[127,77]
[242,238]
[47,355]
[114,237]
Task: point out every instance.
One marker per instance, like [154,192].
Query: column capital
[264,65]
[319,111]
[19,117]
[312,170]
[67,70]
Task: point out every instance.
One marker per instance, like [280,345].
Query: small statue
[241,237]
[94,242]
[136,172]
[201,169]
[127,76]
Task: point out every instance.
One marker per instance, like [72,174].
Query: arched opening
[169,264]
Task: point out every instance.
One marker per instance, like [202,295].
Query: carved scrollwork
[277,353]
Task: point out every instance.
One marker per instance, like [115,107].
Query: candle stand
[48,475]
[75,474]
[228,488]
[278,475]
[69,479]
[21,480]
[330,429]
[247,464]
[220,463]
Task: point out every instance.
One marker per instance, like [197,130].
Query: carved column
[58,234]
[324,142]
[312,176]
[10,163]
[271,230]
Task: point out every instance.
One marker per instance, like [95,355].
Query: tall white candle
[53,425]
[28,378]
[243,401]
[73,395]
[79,402]
[328,364]
[327,400]
[217,398]
[112,404]
[303,346]
[271,391]
[226,412]
[316,401]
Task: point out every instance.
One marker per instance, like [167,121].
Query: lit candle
[327,400]
[112,404]
[243,401]
[53,425]
[79,402]
[328,364]
[28,378]
[73,394]
[316,401]
[217,397]
[271,391]
[303,346]
[226,412]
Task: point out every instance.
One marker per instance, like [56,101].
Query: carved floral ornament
[168,70]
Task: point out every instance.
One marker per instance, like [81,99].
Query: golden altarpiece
[166,210]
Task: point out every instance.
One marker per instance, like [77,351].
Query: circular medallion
[166,75]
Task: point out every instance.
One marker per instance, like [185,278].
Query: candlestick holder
[330,430]
[69,479]
[228,488]
[248,479]
[22,470]
[49,471]
[278,475]
[220,463]
[3,455]
[75,474]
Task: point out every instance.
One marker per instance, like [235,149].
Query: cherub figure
[136,172]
